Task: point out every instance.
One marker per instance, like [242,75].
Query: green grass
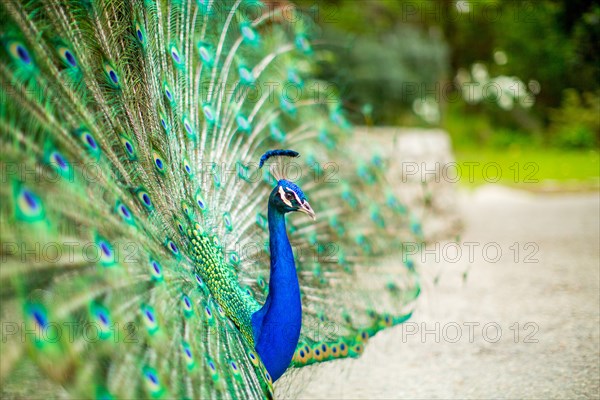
[530,168]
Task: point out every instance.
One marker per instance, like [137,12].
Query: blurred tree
[385,46]
[381,59]
[576,124]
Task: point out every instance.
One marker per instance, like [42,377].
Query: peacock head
[286,196]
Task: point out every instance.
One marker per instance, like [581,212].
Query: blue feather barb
[277,153]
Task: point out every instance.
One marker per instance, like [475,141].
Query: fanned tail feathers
[134,212]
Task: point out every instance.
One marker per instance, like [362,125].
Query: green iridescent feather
[134,243]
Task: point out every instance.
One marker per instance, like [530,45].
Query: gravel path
[550,288]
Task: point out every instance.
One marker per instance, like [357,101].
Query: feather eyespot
[101,317]
[37,314]
[152,382]
[67,56]
[159,163]
[88,141]
[187,167]
[156,271]
[208,112]
[168,93]
[128,146]
[246,76]
[187,305]
[303,44]
[149,318]
[175,55]
[249,35]
[188,355]
[107,254]
[180,226]
[253,358]
[205,54]
[188,127]
[144,198]
[29,205]
[111,74]
[173,247]
[124,212]
[58,161]
[235,369]
[139,33]
[187,210]
[227,221]
[268,376]
[30,200]
[23,54]
[221,311]
[243,123]
[212,365]
[20,53]
[294,78]
[200,201]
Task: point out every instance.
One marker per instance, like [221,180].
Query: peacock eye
[289,196]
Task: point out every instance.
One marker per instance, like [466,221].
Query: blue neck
[276,325]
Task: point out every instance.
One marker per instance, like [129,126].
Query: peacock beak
[306,209]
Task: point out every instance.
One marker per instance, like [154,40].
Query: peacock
[181,215]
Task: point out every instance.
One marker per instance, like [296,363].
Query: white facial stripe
[295,195]
[282,195]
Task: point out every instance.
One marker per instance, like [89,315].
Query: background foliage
[493,73]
